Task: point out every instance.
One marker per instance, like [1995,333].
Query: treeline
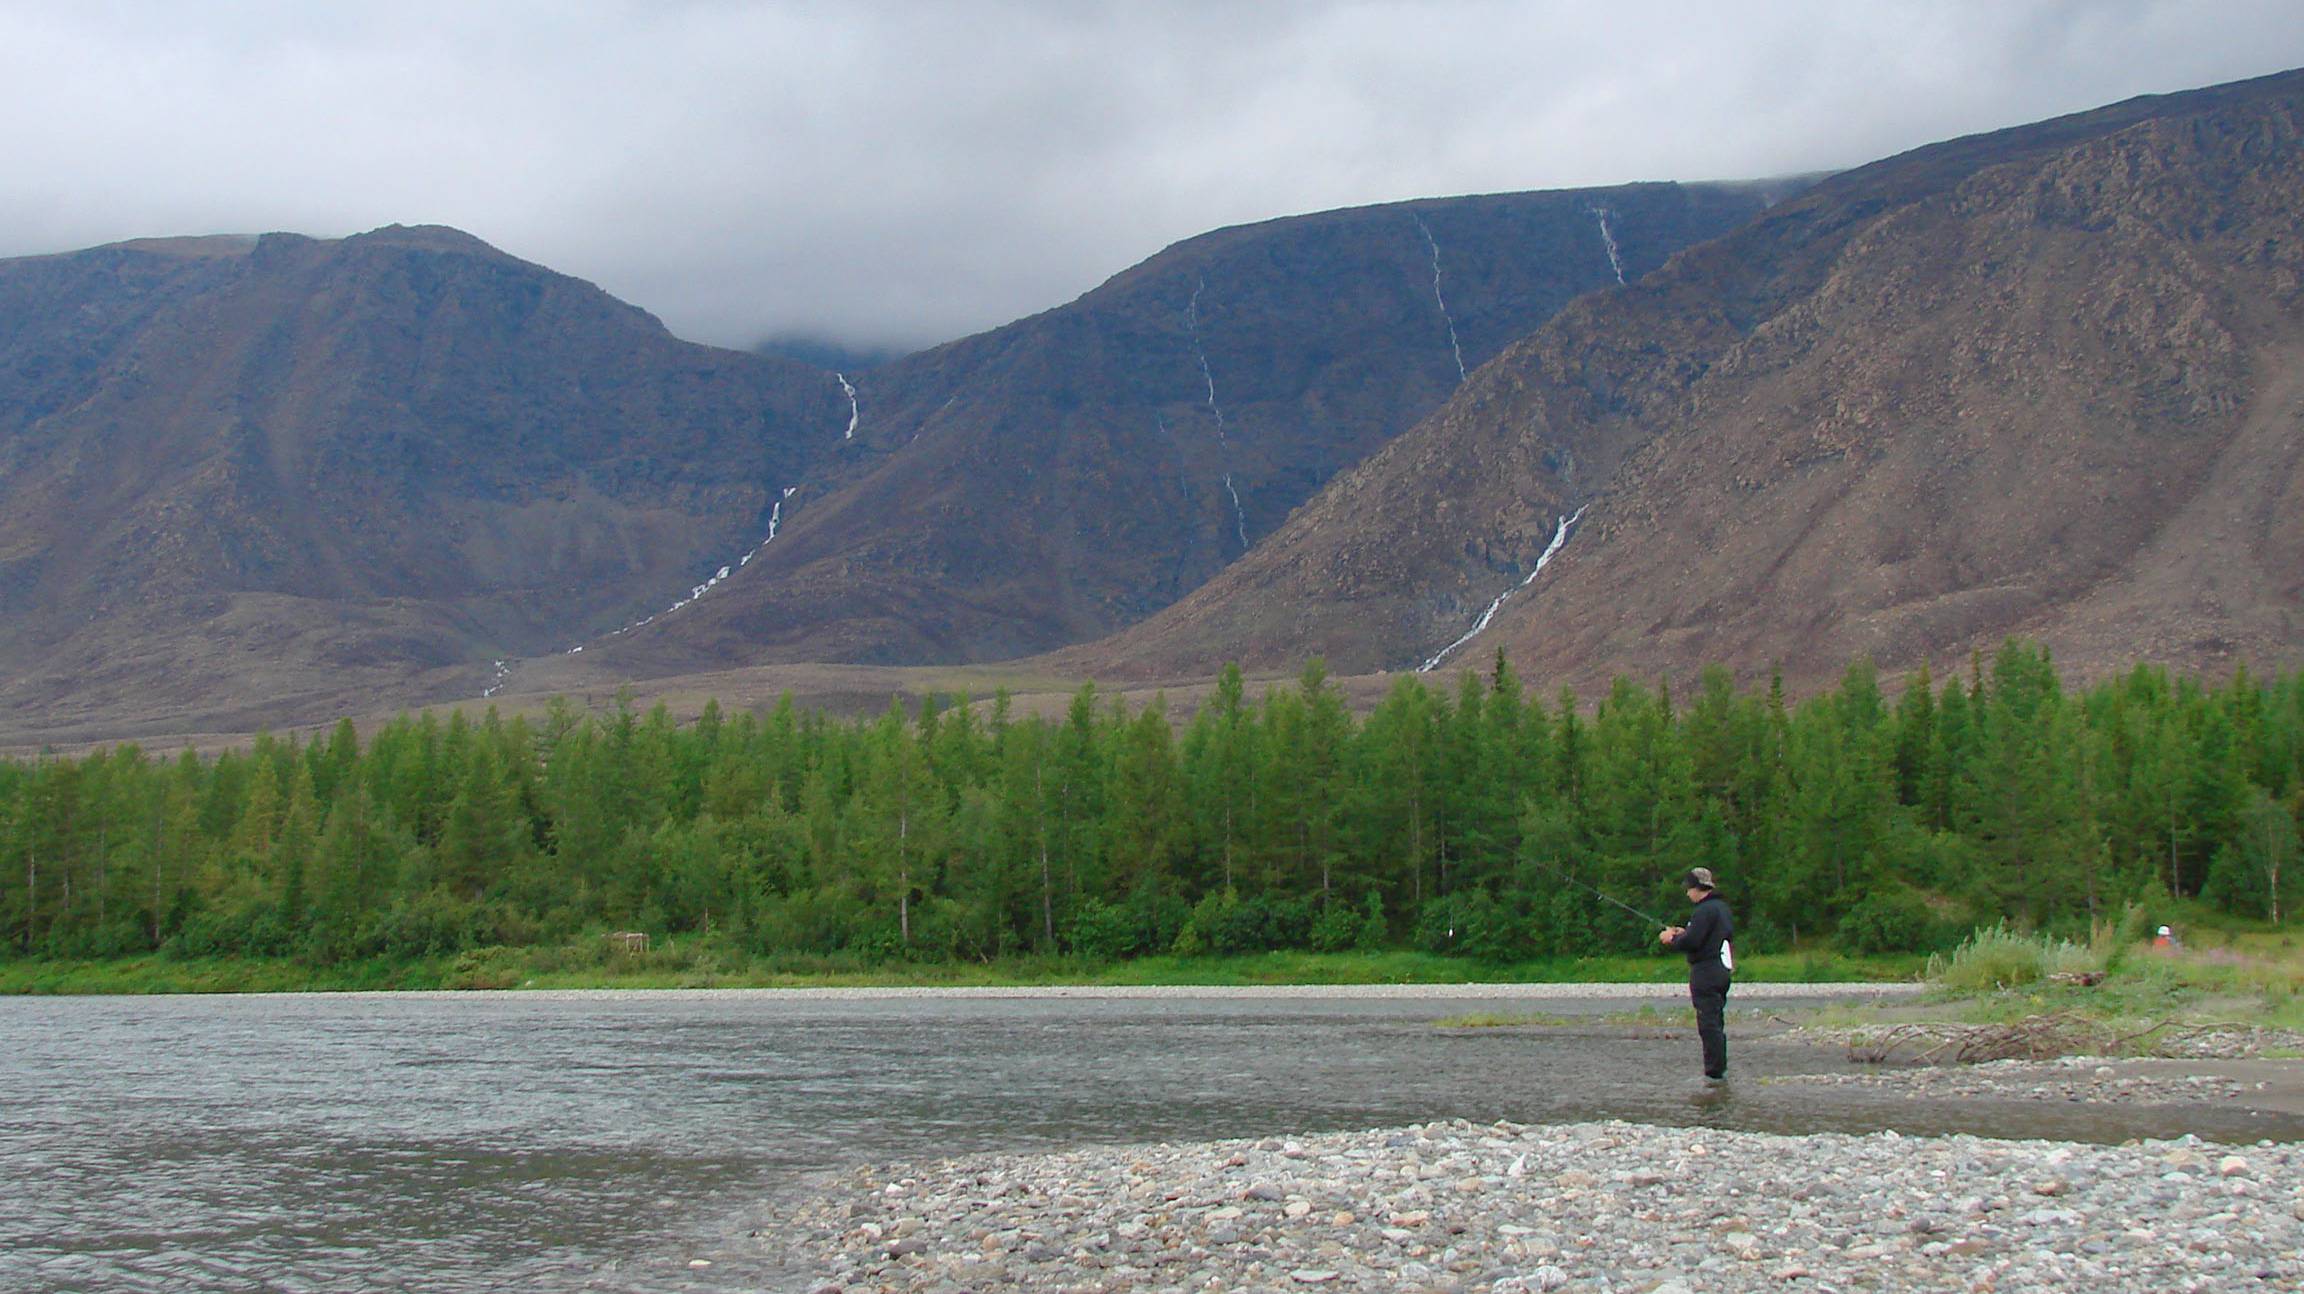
[1478,820]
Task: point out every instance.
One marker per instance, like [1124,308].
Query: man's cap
[1698,878]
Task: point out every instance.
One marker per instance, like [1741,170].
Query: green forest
[1477,820]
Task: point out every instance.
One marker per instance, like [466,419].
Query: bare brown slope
[1073,472]
[2031,382]
[246,478]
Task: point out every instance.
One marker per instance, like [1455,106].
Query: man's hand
[1669,934]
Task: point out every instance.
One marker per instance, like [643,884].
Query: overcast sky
[901,173]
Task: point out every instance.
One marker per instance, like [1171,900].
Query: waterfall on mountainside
[1223,442]
[1239,517]
[775,519]
[1608,240]
[1551,550]
[854,412]
[1442,301]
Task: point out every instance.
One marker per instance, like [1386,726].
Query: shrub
[2112,940]
[820,921]
[1339,927]
[1502,929]
[1475,923]
[1100,930]
[1997,957]
[1373,929]
[432,924]
[1223,922]
[1154,919]
[1443,923]
[1207,914]
[962,931]
[1891,919]
[1567,923]
[243,923]
[491,967]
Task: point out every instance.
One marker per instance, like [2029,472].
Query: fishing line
[1603,897]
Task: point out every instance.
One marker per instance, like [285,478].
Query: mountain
[824,353]
[2046,381]
[241,477]
[1063,476]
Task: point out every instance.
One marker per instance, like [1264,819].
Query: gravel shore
[1506,1208]
[2065,1079]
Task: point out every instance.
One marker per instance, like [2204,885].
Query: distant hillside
[256,476]
[1058,478]
[2046,381]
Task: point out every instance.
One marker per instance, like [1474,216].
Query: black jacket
[1709,926]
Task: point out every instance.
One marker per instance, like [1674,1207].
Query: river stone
[1834,1211]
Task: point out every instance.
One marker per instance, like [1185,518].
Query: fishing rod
[1597,893]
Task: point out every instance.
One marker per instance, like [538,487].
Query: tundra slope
[268,480]
[243,479]
[2044,381]
[1068,474]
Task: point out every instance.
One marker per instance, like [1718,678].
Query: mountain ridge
[1053,479]
[2039,381]
[1767,357]
[235,467]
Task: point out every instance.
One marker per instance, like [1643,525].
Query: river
[613,1141]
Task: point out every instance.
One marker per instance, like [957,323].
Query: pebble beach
[1628,1208]
[1621,1207]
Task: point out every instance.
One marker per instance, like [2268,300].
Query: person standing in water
[1711,962]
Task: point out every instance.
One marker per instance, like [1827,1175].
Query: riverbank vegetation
[2226,987]
[2220,970]
[1478,828]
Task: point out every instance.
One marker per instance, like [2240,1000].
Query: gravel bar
[2066,1079]
[1625,1208]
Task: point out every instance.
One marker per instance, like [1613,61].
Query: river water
[612,1141]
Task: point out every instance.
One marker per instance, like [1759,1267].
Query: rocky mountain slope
[1063,476]
[257,476]
[2047,381]
[262,479]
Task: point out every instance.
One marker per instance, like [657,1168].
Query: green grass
[155,974]
[1503,1020]
[1647,1014]
[2227,971]
[704,963]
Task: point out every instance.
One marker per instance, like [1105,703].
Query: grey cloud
[900,173]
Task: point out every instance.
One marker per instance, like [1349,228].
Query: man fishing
[1704,939]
